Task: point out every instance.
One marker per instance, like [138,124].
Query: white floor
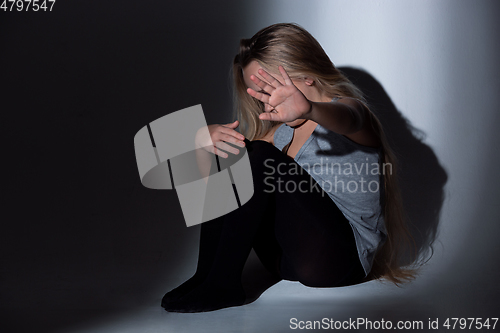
[272,312]
[433,296]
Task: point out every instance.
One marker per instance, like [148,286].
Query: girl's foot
[208,298]
[177,293]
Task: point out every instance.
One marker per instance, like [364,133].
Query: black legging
[300,234]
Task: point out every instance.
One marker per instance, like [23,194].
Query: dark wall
[79,230]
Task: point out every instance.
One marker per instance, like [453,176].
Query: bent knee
[257,145]
[261,150]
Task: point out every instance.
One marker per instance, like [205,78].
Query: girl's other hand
[219,136]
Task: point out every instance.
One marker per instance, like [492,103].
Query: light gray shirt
[352,177]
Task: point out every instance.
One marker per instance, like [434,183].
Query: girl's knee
[257,145]
[259,151]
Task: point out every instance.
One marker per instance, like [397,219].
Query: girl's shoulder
[269,136]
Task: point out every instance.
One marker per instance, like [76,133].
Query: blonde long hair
[302,56]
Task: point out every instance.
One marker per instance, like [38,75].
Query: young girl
[326,208]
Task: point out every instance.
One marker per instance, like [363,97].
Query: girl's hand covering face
[283,103]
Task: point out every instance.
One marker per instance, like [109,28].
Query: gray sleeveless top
[352,177]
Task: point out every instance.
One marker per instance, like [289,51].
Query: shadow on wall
[421,177]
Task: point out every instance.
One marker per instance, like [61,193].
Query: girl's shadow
[421,179]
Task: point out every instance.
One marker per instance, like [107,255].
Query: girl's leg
[309,239]
[211,233]
[317,241]
[294,231]
[209,240]
[266,246]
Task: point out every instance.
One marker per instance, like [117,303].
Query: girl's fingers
[285,75]
[234,124]
[275,83]
[219,135]
[230,139]
[213,150]
[270,116]
[262,84]
[236,137]
[268,108]
[226,147]
[260,96]
[218,152]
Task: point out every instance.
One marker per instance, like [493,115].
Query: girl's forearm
[336,116]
